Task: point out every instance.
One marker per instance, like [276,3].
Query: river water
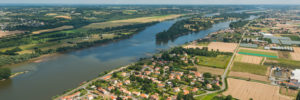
[57,74]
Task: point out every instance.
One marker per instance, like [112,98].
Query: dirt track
[244,90]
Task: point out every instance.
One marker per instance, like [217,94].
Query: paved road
[226,70]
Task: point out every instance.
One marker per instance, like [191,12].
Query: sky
[151,1]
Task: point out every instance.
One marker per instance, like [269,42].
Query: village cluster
[153,80]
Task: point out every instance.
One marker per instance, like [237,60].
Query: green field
[249,68]
[257,53]
[217,62]
[293,37]
[283,63]
[206,97]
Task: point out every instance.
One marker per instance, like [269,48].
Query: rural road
[226,70]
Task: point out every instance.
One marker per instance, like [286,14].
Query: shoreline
[89,82]
[45,56]
[33,60]
[14,75]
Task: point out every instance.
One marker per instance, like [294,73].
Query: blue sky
[154,1]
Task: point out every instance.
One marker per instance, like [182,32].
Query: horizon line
[134,4]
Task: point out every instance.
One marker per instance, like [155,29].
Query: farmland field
[288,92]
[221,46]
[2,33]
[247,76]
[216,71]
[51,30]
[130,21]
[284,54]
[293,37]
[296,54]
[258,53]
[283,62]
[248,59]
[245,90]
[249,68]
[217,62]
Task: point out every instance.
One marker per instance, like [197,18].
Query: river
[59,73]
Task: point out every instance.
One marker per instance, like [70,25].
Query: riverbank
[81,65]
[89,82]
[90,42]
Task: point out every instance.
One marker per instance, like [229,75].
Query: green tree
[5,73]
[298,96]
[180,96]
[229,97]
[207,75]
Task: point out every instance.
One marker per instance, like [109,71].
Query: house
[119,84]
[127,82]
[110,88]
[113,97]
[147,72]
[161,85]
[107,77]
[154,97]
[125,91]
[171,76]
[157,72]
[136,93]
[172,98]
[190,76]
[102,90]
[90,97]
[198,74]
[176,89]
[75,96]
[124,74]
[185,92]
[178,77]
[166,67]
[127,98]
[144,95]
[208,86]
[195,89]
[157,68]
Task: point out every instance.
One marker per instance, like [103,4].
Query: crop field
[2,34]
[221,46]
[53,29]
[288,92]
[65,17]
[244,90]
[244,75]
[296,54]
[293,37]
[257,52]
[130,21]
[216,62]
[284,54]
[248,59]
[249,68]
[283,62]
[216,71]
